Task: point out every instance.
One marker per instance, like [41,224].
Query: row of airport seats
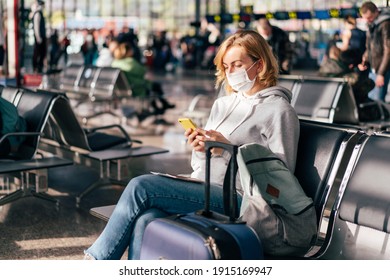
[345,171]
[54,131]
[105,88]
[108,153]
[332,100]
[26,165]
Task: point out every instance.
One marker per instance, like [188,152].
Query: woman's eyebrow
[238,60]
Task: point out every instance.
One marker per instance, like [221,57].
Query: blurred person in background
[106,53]
[39,27]
[141,87]
[377,55]
[128,35]
[279,42]
[353,37]
[333,42]
[2,43]
[54,49]
[89,49]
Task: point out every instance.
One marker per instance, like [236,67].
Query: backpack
[274,203]
[11,122]
[263,173]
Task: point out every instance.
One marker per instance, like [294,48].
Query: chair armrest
[125,134]
[28,134]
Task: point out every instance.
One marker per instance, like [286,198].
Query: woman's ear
[259,66]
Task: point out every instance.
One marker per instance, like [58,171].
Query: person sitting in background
[333,41]
[333,66]
[135,73]
[344,64]
[106,54]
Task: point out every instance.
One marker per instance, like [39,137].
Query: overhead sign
[324,14]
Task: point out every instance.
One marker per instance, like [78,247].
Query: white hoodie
[266,118]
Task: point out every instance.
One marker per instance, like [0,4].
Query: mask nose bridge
[230,67]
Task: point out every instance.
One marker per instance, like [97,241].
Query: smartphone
[187,123]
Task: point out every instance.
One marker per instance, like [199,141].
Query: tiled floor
[35,229]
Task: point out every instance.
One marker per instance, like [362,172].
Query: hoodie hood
[383,16]
[273,91]
[250,102]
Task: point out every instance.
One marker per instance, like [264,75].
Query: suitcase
[204,235]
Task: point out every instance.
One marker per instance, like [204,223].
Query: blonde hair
[257,49]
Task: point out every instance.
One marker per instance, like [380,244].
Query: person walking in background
[89,48]
[54,49]
[353,37]
[161,50]
[279,42]
[39,27]
[2,43]
[64,44]
[377,55]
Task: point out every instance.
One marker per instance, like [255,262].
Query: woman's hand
[197,138]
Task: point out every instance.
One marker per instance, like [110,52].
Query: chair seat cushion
[100,141]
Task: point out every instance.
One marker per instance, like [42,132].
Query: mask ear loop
[251,66]
[257,72]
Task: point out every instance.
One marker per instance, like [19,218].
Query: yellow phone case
[187,123]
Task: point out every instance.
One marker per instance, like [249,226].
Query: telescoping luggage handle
[229,185]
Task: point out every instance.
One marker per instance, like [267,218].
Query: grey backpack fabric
[274,204]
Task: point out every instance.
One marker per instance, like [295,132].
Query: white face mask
[239,80]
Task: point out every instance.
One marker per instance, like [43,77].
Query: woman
[353,38]
[135,73]
[256,111]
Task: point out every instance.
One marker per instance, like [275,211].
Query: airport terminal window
[119,8]
[94,10]
[132,7]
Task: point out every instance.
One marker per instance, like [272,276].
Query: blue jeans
[134,210]
[379,93]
